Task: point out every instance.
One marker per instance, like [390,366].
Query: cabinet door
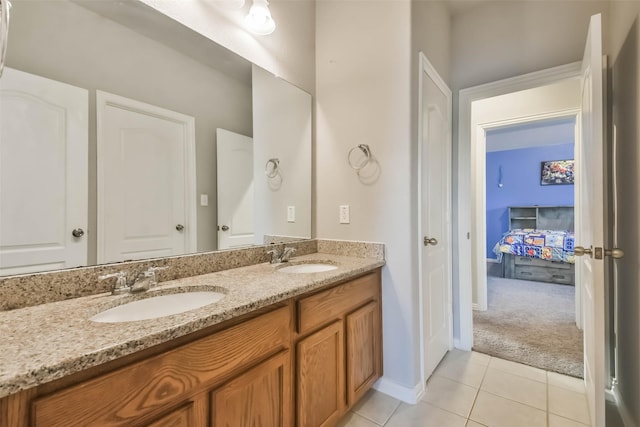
[364,361]
[260,397]
[320,374]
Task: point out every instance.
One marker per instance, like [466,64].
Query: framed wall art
[557,172]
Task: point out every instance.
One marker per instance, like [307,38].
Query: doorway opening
[530,313]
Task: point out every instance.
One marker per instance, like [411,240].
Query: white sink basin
[160,306]
[307,268]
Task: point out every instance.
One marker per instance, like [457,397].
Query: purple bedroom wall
[521,185]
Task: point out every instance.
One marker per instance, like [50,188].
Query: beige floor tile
[519,369]
[376,407]
[462,371]
[568,404]
[515,387]
[468,356]
[496,411]
[558,421]
[472,423]
[564,381]
[424,415]
[355,420]
[450,395]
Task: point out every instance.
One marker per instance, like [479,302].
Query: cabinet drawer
[127,394]
[541,274]
[327,306]
[542,263]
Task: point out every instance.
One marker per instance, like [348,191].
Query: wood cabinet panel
[364,364]
[127,394]
[181,417]
[260,397]
[327,306]
[320,374]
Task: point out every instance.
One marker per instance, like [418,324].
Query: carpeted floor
[531,323]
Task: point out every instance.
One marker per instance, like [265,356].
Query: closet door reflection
[43,174]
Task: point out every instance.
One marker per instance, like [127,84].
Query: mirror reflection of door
[146,180]
[235,189]
[43,173]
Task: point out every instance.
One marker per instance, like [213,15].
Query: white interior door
[235,189]
[43,173]
[435,216]
[590,227]
[146,180]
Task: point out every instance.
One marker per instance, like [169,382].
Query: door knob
[429,241]
[580,251]
[225,228]
[614,253]
[179,227]
[78,232]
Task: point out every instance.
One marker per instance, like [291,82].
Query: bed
[539,244]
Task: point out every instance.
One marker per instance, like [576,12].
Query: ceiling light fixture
[259,20]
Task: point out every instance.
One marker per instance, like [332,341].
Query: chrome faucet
[144,281]
[120,286]
[277,257]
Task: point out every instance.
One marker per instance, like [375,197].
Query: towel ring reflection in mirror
[359,157]
[272,168]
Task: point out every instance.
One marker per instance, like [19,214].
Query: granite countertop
[49,341]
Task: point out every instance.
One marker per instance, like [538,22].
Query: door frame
[104,99]
[425,66]
[465,219]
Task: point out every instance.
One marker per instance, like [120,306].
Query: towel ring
[272,168]
[354,161]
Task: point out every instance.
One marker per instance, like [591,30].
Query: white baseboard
[622,407]
[411,395]
[493,260]
[458,344]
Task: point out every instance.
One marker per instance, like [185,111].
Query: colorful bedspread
[544,244]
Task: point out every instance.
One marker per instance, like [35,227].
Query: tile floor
[470,389]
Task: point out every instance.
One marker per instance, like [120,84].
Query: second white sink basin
[159,306]
[308,268]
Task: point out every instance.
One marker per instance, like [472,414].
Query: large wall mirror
[125,135]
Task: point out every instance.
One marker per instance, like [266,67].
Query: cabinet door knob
[179,227]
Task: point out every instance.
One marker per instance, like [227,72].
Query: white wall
[282,130]
[503,39]
[363,97]
[289,52]
[625,96]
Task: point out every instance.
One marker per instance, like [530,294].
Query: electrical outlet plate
[204,200]
[344,214]
[291,214]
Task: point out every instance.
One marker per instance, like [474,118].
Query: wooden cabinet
[137,393]
[259,397]
[364,364]
[320,373]
[302,363]
[339,351]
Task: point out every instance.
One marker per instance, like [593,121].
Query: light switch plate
[204,200]
[344,214]
[291,214]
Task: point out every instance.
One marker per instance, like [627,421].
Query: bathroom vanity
[279,350]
